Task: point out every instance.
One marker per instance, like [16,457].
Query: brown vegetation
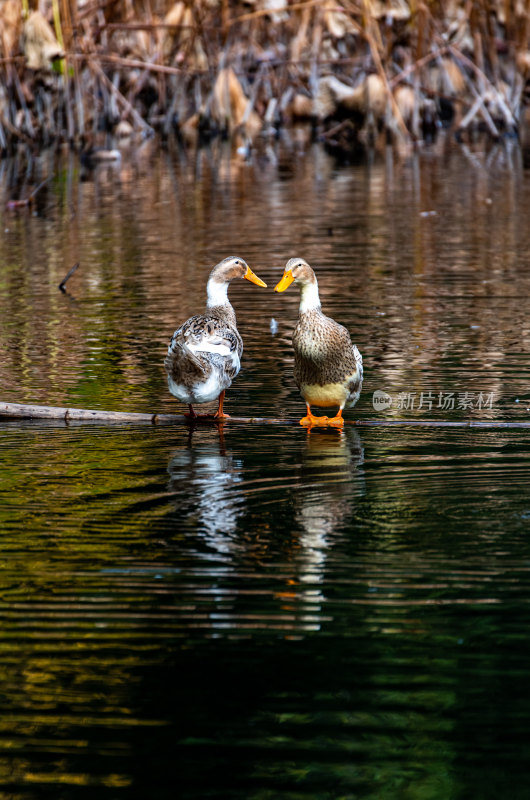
[360,70]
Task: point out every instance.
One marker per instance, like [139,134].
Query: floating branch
[20,411]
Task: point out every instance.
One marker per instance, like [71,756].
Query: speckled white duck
[328,367]
[204,355]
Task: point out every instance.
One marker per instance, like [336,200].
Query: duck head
[233,267]
[224,272]
[298,271]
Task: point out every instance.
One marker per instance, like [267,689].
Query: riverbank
[93,73]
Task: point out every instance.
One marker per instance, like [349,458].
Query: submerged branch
[21,411]
[67,276]
[29,199]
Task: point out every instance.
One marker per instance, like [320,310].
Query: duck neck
[216,294]
[309,299]
[217,301]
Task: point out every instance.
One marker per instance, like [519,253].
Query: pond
[247,611]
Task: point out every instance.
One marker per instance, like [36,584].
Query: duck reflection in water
[330,480]
[204,475]
[276,503]
[293,501]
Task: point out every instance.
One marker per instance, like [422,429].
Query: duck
[328,367]
[204,354]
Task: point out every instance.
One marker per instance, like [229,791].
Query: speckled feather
[328,367]
[204,355]
[189,359]
[324,354]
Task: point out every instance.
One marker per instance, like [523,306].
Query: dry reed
[361,70]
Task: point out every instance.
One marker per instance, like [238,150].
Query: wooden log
[19,411]
[22,411]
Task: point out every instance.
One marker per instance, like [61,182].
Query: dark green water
[267,612]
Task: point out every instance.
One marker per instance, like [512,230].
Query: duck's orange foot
[192,413]
[310,421]
[217,417]
[337,422]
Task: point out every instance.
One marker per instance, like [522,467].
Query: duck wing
[346,362]
[358,360]
[205,334]
[182,364]
[204,342]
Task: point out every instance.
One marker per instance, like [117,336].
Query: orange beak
[249,275]
[285,282]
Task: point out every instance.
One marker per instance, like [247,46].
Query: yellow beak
[249,275]
[287,279]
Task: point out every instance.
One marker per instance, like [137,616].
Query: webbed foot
[311,421]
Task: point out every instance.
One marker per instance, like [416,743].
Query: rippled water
[263,612]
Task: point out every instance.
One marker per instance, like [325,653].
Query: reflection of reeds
[383,65]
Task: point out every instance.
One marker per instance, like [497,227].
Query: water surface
[266,612]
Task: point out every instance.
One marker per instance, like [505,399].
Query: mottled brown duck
[204,355]
[328,368]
